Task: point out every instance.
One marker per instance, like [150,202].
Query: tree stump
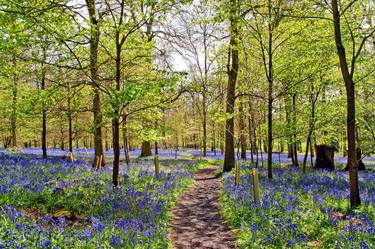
[361,165]
[146,149]
[324,157]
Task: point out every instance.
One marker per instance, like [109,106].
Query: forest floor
[197,222]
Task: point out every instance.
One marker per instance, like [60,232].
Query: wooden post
[156,162]
[71,156]
[255,176]
[237,175]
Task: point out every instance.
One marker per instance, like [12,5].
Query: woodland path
[197,222]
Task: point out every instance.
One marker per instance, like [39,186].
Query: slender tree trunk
[260,146]
[156,148]
[96,105]
[306,152]
[125,140]
[14,106]
[270,93]
[44,124]
[233,66]
[116,150]
[62,142]
[242,132]
[204,107]
[313,100]
[251,137]
[70,132]
[350,98]
[213,142]
[44,110]
[70,122]
[116,116]
[295,149]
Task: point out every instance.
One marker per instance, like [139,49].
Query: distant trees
[194,38]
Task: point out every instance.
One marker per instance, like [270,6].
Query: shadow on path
[197,222]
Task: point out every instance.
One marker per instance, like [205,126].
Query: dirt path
[197,222]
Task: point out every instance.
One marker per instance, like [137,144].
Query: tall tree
[96,104]
[232,69]
[347,75]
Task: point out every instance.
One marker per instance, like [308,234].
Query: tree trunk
[96,105]
[306,152]
[116,150]
[156,148]
[253,134]
[361,165]
[146,149]
[70,120]
[251,138]
[242,132]
[313,99]
[44,123]
[44,110]
[270,93]
[350,98]
[295,147]
[14,106]
[62,142]
[125,140]
[229,160]
[213,142]
[116,116]
[324,157]
[204,107]
[70,132]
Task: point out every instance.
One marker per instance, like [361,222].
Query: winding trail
[197,222]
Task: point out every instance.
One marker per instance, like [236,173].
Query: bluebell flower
[116,241]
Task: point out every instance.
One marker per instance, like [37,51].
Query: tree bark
[270,93]
[146,149]
[125,140]
[62,142]
[44,121]
[324,157]
[306,152]
[233,60]
[70,120]
[116,150]
[313,99]
[242,132]
[204,107]
[295,149]
[96,105]
[14,106]
[116,114]
[350,98]
[44,110]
